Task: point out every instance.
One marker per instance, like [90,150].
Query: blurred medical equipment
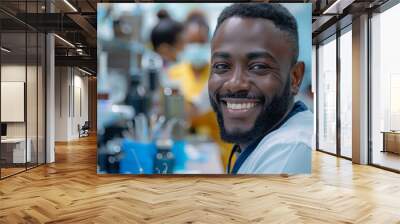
[202,101]
[133,134]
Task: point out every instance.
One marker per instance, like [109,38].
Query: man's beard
[271,114]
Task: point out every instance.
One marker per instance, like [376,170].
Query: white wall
[80,100]
[70,84]
[12,73]
[61,103]
[33,126]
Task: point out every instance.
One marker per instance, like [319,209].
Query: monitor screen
[3,129]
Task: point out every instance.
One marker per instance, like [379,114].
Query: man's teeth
[240,106]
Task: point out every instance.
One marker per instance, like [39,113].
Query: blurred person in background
[193,74]
[167,38]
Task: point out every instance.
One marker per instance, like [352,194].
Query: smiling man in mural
[255,75]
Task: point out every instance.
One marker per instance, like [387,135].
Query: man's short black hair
[274,12]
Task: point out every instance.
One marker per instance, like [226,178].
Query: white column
[50,93]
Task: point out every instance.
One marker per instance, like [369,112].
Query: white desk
[19,149]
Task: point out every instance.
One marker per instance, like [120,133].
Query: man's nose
[239,81]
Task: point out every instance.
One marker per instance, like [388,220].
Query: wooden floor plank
[70,191]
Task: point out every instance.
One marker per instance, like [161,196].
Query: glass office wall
[14,154]
[335,94]
[41,97]
[385,88]
[39,7]
[22,90]
[31,97]
[327,95]
[13,88]
[35,87]
[346,92]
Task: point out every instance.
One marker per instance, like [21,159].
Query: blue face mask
[198,55]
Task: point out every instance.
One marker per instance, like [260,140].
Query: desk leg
[384,142]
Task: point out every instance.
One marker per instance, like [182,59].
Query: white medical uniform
[287,150]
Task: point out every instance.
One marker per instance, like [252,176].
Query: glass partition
[346,93]
[13,108]
[327,95]
[385,89]
[41,91]
[22,67]
[31,98]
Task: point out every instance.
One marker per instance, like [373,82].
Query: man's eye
[220,66]
[258,66]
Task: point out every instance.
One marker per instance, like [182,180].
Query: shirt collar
[243,154]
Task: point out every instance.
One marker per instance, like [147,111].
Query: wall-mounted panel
[12,101]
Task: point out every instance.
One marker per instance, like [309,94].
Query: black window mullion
[338,76]
[26,86]
[37,90]
[317,96]
[0,94]
[369,86]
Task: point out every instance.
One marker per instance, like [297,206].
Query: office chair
[84,130]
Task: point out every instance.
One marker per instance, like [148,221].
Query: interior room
[22,100]
[52,100]
[384,89]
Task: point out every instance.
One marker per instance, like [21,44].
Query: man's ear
[296,76]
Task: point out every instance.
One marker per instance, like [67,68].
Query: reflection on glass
[327,96]
[31,98]
[41,99]
[394,101]
[346,94]
[385,89]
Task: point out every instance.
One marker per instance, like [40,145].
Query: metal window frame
[339,32]
[381,9]
[387,5]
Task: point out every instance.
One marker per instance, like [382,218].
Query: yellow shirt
[191,87]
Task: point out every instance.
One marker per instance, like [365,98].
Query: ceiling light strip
[65,41]
[5,50]
[86,72]
[331,7]
[70,5]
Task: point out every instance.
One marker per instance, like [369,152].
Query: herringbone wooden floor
[70,191]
